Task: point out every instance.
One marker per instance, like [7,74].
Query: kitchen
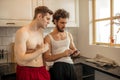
[80,35]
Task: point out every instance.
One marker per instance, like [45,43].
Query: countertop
[10,68]
[112,71]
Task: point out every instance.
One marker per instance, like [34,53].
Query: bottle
[111,41]
[2,53]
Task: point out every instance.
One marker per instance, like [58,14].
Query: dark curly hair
[60,13]
[43,10]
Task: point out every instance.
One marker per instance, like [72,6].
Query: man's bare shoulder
[47,37]
[69,34]
[23,31]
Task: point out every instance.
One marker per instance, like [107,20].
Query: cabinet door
[15,9]
[69,5]
[17,12]
[78,70]
[88,73]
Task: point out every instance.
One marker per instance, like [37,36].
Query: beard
[60,30]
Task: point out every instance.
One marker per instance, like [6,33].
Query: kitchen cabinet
[8,71]
[78,70]
[17,12]
[84,72]
[70,5]
[9,77]
[88,73]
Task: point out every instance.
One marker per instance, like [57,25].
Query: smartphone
[74,52]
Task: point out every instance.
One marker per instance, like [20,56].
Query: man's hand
[75,53]
[68,52]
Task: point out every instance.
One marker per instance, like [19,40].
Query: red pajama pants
[32,73]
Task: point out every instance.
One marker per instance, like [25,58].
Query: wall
[88,50]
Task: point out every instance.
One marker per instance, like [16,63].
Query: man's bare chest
[34,40]
[59,37]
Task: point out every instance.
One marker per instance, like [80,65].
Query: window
[106,22]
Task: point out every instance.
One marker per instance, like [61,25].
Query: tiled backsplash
[7,36]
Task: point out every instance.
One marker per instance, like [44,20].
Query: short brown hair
[60,13]
[43,10]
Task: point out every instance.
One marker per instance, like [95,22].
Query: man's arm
[48,56]
[72,46]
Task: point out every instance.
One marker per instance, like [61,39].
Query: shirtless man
[61,46]
[29,47]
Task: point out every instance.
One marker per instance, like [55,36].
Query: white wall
[83,38]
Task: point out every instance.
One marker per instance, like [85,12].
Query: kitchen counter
[112,71]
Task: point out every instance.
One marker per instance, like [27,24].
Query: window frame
[94,21]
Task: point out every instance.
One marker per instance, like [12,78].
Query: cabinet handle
[10,23]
